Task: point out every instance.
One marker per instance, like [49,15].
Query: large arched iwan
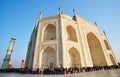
[96,50]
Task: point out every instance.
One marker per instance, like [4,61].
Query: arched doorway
[112,60]
[96,50]
[48,57]
[106,44]
[71,33]
[50,32]
[74,57]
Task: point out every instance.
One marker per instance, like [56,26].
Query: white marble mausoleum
[66,41]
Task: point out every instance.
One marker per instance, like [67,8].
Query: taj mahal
[64,41]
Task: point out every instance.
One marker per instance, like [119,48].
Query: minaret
[8,54]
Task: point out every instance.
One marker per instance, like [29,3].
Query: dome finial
[40,15]
[74,11]
[60,10]
[96,23]
[104,33]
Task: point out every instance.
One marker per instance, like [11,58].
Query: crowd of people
[61,70]
[76,70]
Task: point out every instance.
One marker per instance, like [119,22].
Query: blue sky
[18,18]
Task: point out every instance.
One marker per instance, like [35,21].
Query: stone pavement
[105,73]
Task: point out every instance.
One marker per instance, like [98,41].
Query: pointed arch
[96,50]
[71,34]
[48,57]
[106,44]
[50,32]
[112,60]
[75,60]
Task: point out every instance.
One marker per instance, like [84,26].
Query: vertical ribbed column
[37,39]
[60,53]
[83,58]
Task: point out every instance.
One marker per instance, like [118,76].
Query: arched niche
[48,57]
[96,50]
[107,45]
[75,60]
[49,32]
[112,60]
[71,34]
